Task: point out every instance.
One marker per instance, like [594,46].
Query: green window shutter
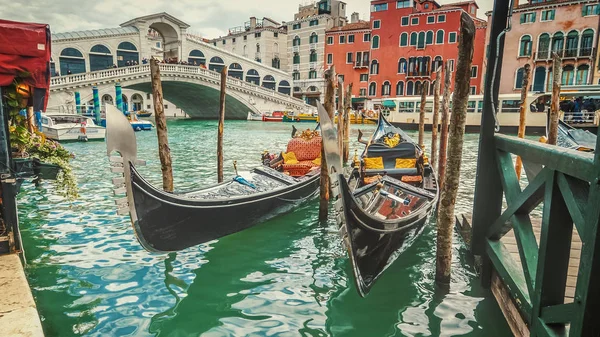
[597,10]
[522,18]
[552,14]
[533,17]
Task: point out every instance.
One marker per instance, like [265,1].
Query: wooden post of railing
[523,111]
[555,106]
[340,115]
[221,125]
[422,118]
[161,127]
[330,78]
[436,116]
[462,80]
[445,125]
[347,110]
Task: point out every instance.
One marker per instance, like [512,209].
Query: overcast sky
[209,18]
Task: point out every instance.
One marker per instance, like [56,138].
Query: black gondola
[165,222]
[380,214]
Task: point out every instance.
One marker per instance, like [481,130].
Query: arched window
[53,68]
[439,37]
[539,77]
[100,58]
[276,48]
[216,64]
[269,82]
[296,41]
[296,58]
[413,38]
[196,58]
[107,99]
[429,37]
[313,56]
[402,66]
[409,88]
[386,88]
[258,47]
[375,42]
[582,74]
[252,76]
[403,39]
[437,63]
[572,44]
[296,75]
[284,87]
[558,42]
[312,88]
[372,89]
[71,62]
[587,42]
[543,51]
[568,75]
[235,70]
[421,42]
[400,88]
[137,102]
[519,78]
[276,62]
[549,80]
[525,46]
[245,51]
[374,67]
[127,52]
[418,88]
[312,74]
[314,38]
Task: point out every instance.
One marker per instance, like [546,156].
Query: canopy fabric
[389,104]
[25,48]
[358,99]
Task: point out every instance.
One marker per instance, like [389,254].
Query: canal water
[286,277]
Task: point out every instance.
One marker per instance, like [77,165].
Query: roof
[154,16]
[461,3]
[545,3]
[94,33]
[351,26]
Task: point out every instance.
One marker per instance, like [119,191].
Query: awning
[358,100]
[389,104]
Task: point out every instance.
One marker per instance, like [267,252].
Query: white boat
[71,127]
[252,116]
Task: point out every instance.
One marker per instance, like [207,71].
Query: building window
[275,34]
[409,88]
[426,6]
[342,39]
[413,39]
[525,46]
[364,77]
[297,25]
[376,24]
[313,56]
[351,38]
[403,39]
[375,43]
[386,88]
[314,38]
[548,15]
[429,37]
[374,67]
[330,40]
[402,66]
[233,40]
[451,62]
[349,57]
[473,90]
[367,37]
[224,42]
[431,19]
[582,74]
[373,89]
[590,10]
[312,74]
[341,78]
[296,41]
[452,37]
[473,71]
[314,22]
[437,63]
[380,7]
[421,42]
[568,75]
[439,37]
[147,106]
[147,96]
[329,58]
[441,18]
[404,21]
[400,88]
[245,37]
[403,4]
[587,41]
[257,35]
[296,75]
[296,58]
[362,92]
[414,21]
[519,78]
[527,17]
[167,106]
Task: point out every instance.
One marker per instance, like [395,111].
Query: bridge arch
[196,57]
[169,33]
[216,64]
[269,82]
[127,52]
[284,87]
[71,61]
[235,70]
[252,76]
[100,57]
[137,102]
[107,99]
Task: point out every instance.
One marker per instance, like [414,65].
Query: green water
[286,277]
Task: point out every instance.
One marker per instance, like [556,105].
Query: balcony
[426,74]
[296,67]
[361,64]
[295,49]
[565,53]
[313,46]
[312,65]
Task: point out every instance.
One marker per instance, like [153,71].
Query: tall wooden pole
[445,123]
[161,127]
[348,108]
[340,110]
[445,221]
[523,111]
[436,116]
[330,79]
[221,125]
[30,119]
[422,118]
[554,106]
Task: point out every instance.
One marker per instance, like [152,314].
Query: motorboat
[71,127]
[253,116]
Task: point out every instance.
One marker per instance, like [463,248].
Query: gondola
[166,222]
[382,210]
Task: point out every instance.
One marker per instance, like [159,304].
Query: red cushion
[300,169]
[305,150]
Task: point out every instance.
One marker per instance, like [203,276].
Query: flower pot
[23,167]
[46,171]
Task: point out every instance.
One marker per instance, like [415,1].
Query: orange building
[348,48]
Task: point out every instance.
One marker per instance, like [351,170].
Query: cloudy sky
[209,18]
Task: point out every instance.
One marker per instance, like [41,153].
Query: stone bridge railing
[125,73]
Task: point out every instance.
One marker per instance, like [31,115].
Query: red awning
[25,48]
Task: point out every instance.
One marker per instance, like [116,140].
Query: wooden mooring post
[523,113]
[436,116]
[445,220]
[340,115]
[331,80]
[422,118]
[164,151]
[444,128]
[347,110]
[221,125]
[555,106]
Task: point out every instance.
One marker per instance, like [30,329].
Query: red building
[410,39]
[348,47]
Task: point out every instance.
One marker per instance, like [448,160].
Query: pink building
[539,28]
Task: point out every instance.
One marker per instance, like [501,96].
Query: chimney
[253,23]
[354,18]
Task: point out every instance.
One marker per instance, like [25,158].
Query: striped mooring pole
[96,105]
[119,96]
[78,102]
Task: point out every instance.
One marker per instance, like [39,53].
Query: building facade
[410,39]
[541,28]
[348,48]
[264,40]
[306,46]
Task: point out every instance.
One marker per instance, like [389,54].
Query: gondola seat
[390,156]
[307,152]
